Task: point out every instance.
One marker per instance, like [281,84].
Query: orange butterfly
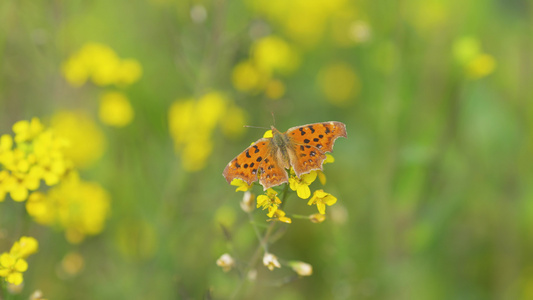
[301,147]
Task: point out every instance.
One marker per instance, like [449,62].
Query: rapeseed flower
[78,207]
[321,199]
[270,201]
[36,155]
[339,83]
[100,63]
[115,109]
[301,184]
[86,141]
[192,123]
[13,263]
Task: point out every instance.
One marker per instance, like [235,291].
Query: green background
[433,183]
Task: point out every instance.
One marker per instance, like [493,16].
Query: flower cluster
[477,64]
[306,22]
[13,263]
[78,207]
[32,155]
[100,64]
[269,55]
[87,142]
[192,123]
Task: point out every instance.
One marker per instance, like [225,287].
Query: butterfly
[303,148]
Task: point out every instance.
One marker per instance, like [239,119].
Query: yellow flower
[271,261]
[275,89]
[19,185]
[481,66]
[233,122]
[268,134]
[24,247]
[115,109]
[339,82]
[466,49]
[128,72]
[301,185]
[101,64]
[273,54]
[27,130]
[247,77]
[279,215]
[78,207]
[270,201]
[12,267]
[4,177]
[86,140]
[321,199]
[12,264]
[241,185]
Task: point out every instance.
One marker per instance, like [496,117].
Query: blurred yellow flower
[321,199]
[129,71]
[275,89]
[247,77]
[303,21]
[115,109]
[72,264]
[301,184]
[339,83]
[86,140]
[193,121]
[27,130]
[273,54]
[233,122]
[481,66]
[465,49]
[13,263]
[78,207]
[101,64]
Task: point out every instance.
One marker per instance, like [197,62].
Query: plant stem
[262,247]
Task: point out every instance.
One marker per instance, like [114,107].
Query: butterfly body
[302,147]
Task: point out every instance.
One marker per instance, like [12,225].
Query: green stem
[262,247]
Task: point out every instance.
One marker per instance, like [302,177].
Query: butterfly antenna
[248,126]
[273,118]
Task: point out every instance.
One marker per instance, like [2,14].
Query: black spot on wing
[302,132]
[256,149]
[248,154]
[306,141]
[311,128]
[259,159]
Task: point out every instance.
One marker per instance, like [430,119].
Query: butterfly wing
[311,142]
[257,161]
